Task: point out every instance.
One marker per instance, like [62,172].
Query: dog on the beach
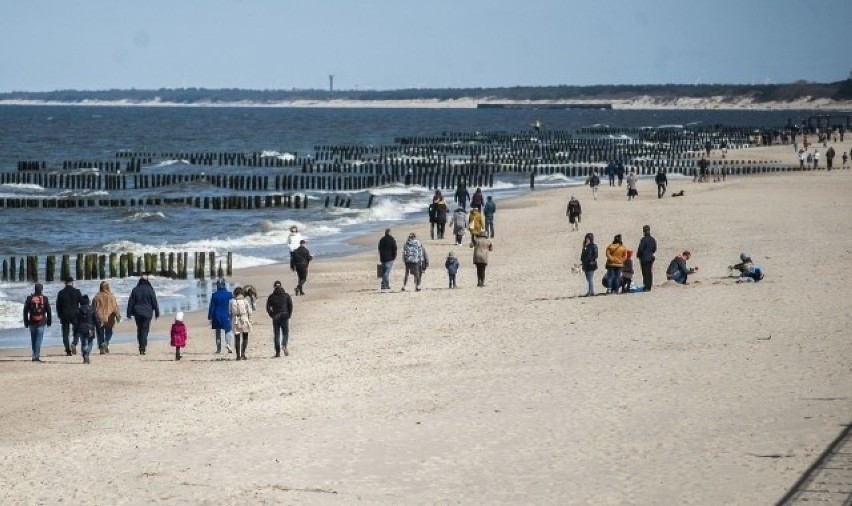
[678,194]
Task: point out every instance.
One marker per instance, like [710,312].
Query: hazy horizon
[386,45]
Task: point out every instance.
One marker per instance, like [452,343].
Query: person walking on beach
[178,334]
[440,216]
[218,313]
[387,255]
[645,253]
[293,241]
[301,258]
[481,245]
[573,212]
[845,159]
[801,159]
[279,307]
[462,195]
[829,158]
[84,328]
[610,172]
[477,201]
[616,253]
[662,181]
[239,310]
[142,307]
[459,224]
[619,171]
[415,258]
[589,262]
[488,211]
[594,183]
[433,218]
[452,265]
[632,193]
[476,222]
[67,304]
[816,159]
[37,316]
[107,315]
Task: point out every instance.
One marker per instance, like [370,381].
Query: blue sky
[390,44]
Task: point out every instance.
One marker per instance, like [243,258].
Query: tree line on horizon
[841,90]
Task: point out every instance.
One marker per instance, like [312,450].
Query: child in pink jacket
[178,334]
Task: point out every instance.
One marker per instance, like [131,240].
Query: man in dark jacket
[678,270]
[279,307]
[462,195]
[142,307]
[387,255]
[645,253]
[37,316]
[301,258]
[67,304]
[662,182]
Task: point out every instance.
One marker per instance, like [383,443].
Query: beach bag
[37,309]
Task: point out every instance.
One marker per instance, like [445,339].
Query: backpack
[84,320]
[410,253]
[37,309]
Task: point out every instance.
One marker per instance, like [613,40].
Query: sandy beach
[519,392]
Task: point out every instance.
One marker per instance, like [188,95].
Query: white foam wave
[169,163]
[10,314]
[400,189]
[23,187]
[276,154]
[144,216]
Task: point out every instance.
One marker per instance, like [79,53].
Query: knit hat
[179,316]
[276,284]
[743,256]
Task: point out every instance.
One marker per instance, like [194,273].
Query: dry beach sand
[519,392]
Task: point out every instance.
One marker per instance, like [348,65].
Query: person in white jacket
[293,241]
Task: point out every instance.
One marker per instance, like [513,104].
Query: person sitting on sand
[678,270]
[747,271]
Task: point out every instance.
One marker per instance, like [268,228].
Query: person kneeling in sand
[746,270]
[678,270]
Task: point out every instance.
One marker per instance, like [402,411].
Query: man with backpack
[37,316]
[416,260]
[67,304]
[84,328]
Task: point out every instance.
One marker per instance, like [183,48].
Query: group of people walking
[82,321]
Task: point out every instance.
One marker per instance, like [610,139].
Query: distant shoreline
[638,103]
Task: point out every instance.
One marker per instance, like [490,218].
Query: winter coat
[589,257]
[293,240]
[218,311]
[476,222]
[476,200]
[302,257]
[459,221]
[452,265]
[106,309]
[631,181]
[47,319]
[594,180]
[677,265]
[481,246]
[441,212]
[143,301]
[574,208]
[661,178]
[67,303]
[387,249]
[462,195]
[489,210]
[615,256]
[179,335]
[647,248]
[432,211]
[240,313]
[279,304]
[85,323]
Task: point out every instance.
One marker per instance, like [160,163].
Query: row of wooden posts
[117,265]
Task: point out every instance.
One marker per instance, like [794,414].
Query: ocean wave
[83,193]
[131,215]
[558,178]
[169,163]
[10,314]
[22,187]
[276,154]
[399,189]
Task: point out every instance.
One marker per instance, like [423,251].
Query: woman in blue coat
[219,315]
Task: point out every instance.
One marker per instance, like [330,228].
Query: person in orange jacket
[616,254]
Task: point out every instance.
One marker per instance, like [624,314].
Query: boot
[237,341]
[177,353]
[245,343]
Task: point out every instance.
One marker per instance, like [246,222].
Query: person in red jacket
[179,334]
[37,316]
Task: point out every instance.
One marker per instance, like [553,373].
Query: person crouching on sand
[179,335]
[678,270]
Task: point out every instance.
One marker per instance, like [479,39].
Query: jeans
[66,334]
[36,337]
[647,274]
[661,190]
[85,343]
[414,270]
[280,330]
[386,272]
[678,277]
[613,282]
[590,281]
[452,280]
[459,238]
[441,228]
[480,274]
[104,336]
[489,227]
[143,325]
[219,339]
